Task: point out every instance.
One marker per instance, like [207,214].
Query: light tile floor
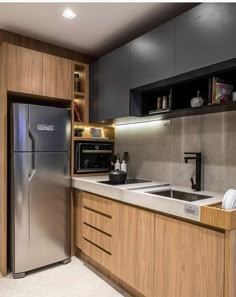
[75,279]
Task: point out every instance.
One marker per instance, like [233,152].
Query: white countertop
[133,194]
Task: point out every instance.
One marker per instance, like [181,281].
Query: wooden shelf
[181,89]
[93,139]
[192,111]
[93,124]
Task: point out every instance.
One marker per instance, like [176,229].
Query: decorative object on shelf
[164,102]
[223,93]
[197,101]
[96,132]
[234,96]
[77,81]
[77,113]
[78,132]
[159,103]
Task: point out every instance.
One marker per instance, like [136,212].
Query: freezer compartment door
[50,128]
[47,239]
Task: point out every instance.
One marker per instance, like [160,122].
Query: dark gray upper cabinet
[152,56]
[94,108]
[109,85]
[205,35]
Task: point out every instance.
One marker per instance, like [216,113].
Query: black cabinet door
[153,56]
[205,36]
[94,106]
[109,97]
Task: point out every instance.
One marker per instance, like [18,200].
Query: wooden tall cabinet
[57,77]
[24,70]
[189,260]
[133,247]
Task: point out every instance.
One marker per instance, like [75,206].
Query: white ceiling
[98,27]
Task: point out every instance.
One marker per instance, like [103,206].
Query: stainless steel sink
[191,197]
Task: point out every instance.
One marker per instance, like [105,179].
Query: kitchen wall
[157,149]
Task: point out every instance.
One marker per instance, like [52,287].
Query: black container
[117,177]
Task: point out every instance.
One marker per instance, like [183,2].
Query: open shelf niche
[181,89]
[82,129]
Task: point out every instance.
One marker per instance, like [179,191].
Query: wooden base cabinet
[154,255]
[189,260]
[97,229]
[133,247]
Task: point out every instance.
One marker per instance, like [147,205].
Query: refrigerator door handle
[32,167]
[33,162]
[31,136]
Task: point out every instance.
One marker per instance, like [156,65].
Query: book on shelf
[215,80]
[77,113]
[223,93]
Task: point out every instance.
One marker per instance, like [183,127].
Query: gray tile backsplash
[157,150]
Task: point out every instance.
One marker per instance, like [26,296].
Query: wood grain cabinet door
[189,260]
[133,247]
[24,70]
[57,77]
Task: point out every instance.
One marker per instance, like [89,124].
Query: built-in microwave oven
[92,157]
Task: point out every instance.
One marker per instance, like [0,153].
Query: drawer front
[97,203]
[96,254]
[98,238]
[97,220]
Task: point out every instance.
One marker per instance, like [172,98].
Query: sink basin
[191,197]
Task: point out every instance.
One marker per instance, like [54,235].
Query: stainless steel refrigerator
[40,187]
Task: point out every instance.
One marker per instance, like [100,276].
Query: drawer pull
[97,246]
[98,212]
[97,229]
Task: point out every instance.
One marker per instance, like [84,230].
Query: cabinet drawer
[97,220]
[97,203]
[96,254]
[98,238]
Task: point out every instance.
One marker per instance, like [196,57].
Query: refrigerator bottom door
[48,201]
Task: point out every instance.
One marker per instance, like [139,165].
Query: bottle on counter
[123,166]
[117,164]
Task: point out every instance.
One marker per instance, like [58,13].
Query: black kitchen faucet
[198,157]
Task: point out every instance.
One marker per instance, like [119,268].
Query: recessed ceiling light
[69,14]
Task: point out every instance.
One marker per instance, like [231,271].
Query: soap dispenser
[123,166]
[117,164]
